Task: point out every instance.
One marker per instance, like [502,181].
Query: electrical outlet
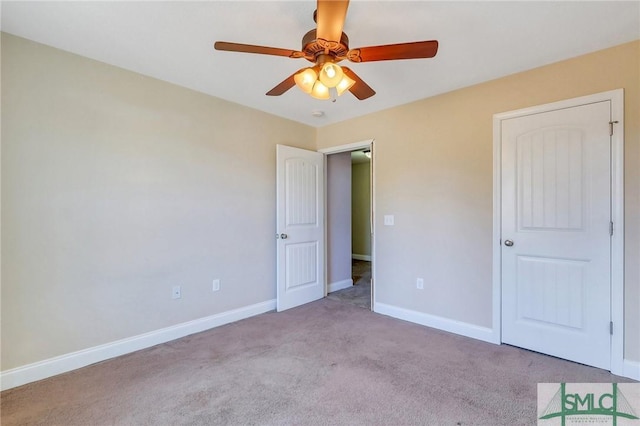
[420,284]
[216,285]
[176,292]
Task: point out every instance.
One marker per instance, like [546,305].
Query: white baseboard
[61,364]
[361,257]
[339,285]
[631,369]
[71,361]
[445,324]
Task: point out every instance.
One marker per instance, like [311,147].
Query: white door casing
[300,227]
[556,213]
[371,219]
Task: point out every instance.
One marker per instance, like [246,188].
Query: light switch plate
[388,220]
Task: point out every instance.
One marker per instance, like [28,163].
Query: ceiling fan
[327,45]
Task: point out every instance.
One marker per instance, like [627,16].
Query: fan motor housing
[313,46]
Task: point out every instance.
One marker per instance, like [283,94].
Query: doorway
[350,242]
[355,210]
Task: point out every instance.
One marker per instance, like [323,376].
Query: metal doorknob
[283,236]
[508,243]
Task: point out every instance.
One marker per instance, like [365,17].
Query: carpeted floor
[324,363]
[359,293]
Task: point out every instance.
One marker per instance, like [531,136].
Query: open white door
[300,226]
[556,216]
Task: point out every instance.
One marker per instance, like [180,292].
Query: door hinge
[611,327]
[611,228]
[611,123]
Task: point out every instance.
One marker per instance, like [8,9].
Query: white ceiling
[173,41]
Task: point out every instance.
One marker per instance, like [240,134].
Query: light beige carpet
[325,363]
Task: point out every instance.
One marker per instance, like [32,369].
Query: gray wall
[338,217]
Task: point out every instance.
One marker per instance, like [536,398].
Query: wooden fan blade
[360,89]
[249,48]
[286,84]
[388,52]
[330,17]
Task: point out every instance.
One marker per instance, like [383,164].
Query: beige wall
[338,217]
[434,173]
[360,207]
[115,187]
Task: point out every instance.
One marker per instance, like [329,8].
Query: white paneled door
[556,280]
[300,227]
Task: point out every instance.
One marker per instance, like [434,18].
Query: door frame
[616,97]
[355,146]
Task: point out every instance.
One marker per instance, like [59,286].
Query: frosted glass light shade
[331,74]
[305,79]
[344,85]
[320,91]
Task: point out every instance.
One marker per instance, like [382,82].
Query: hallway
[360,293]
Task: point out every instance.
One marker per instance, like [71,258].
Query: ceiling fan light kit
[317,81]
[327,45]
